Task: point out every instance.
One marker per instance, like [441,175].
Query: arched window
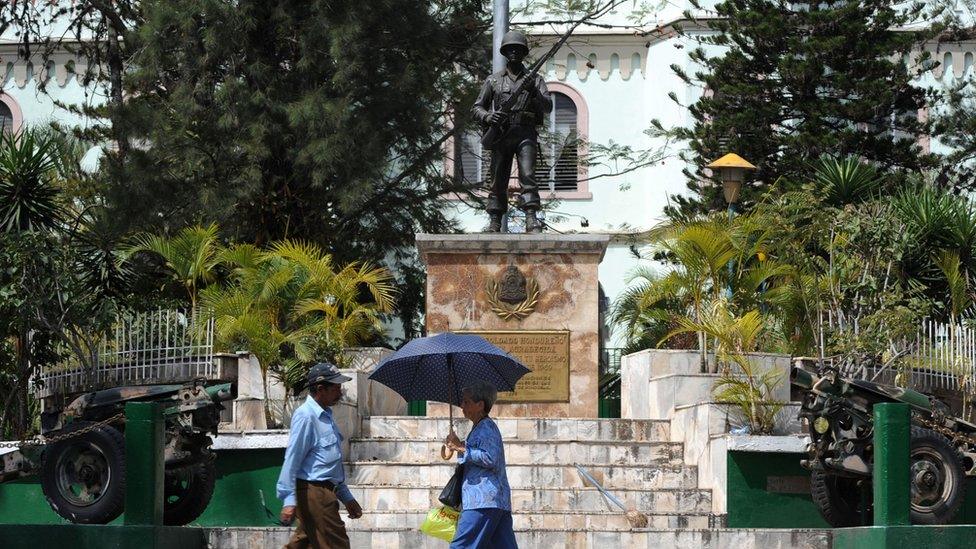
[558,165]
[6,118]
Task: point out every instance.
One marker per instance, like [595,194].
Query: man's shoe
[532,223]
[494,223]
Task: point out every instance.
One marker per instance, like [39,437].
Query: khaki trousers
[319,525]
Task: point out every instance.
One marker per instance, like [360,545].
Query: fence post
[144,463]
[892,435]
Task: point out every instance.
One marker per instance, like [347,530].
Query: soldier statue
[514,120]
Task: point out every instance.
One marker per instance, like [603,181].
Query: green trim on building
[758,493]
[609,408]
[32,536]
[244,479]
[901,537]
[769,490]
[417,408]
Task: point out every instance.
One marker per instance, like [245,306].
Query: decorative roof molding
[61,65]
[958,55]
[603,54]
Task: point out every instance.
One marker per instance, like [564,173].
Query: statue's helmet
[514,38]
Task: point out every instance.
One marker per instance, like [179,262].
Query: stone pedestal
[466,281]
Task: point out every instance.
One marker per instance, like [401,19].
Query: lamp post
[732,170]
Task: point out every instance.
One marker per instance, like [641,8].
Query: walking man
[312,481]
[521,138]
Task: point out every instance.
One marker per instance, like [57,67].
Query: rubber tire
[946,510]
[110,503]
[199,491]
[839,500]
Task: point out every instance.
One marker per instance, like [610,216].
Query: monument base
[529,293]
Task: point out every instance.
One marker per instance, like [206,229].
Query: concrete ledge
[788,444]
[513,243]
[249,440]
[898,537]
[547,538]
[656,381]
[32,536]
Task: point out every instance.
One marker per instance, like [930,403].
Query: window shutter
[474,161]
[6,119]
[558,165]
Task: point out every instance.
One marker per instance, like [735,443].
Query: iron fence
[152,347]
[939,356]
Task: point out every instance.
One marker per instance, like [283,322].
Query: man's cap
[323,372]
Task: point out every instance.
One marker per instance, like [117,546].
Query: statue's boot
[494,222]
[532,222]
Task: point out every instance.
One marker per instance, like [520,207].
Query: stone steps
[528,451]
[578,538]
[555,429]
[663,501]
[521,476]
[559,520]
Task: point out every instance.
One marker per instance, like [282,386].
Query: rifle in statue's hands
[494,133]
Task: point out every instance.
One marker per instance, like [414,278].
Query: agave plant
[29,195]
[847,180]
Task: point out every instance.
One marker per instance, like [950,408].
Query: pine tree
[799,80]
[322,120]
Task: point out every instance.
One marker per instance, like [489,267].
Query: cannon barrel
[802,378]
[222,392]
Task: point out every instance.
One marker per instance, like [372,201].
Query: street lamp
[732,170]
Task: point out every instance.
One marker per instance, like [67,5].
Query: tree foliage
[279,119]
[795,81]
[292,305]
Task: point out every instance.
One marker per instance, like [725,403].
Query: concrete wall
[656,381]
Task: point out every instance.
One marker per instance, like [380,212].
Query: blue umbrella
[439,367]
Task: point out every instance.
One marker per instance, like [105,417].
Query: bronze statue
[512,104]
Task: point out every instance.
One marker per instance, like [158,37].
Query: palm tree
[291,306]
[735,337]
[190,256]
[711,257]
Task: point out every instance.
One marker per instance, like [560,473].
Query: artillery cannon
[838,415]
[81,463]
[80,458]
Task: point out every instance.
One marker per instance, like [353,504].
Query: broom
[634,517]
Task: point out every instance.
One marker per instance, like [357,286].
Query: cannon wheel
[937,478]
[840,499]
[83,477]
[187,492]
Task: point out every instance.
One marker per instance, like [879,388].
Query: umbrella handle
[447,453]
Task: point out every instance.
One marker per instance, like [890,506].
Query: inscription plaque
[545,352]
[788,485]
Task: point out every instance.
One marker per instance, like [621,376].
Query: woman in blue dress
[486,499]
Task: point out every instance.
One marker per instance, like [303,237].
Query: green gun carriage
[837,412]
[80,459]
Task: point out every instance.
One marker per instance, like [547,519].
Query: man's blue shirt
[314,452]
[485,482]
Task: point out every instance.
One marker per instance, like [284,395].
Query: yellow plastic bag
[441,523]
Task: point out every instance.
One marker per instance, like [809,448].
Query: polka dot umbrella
[438,367]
